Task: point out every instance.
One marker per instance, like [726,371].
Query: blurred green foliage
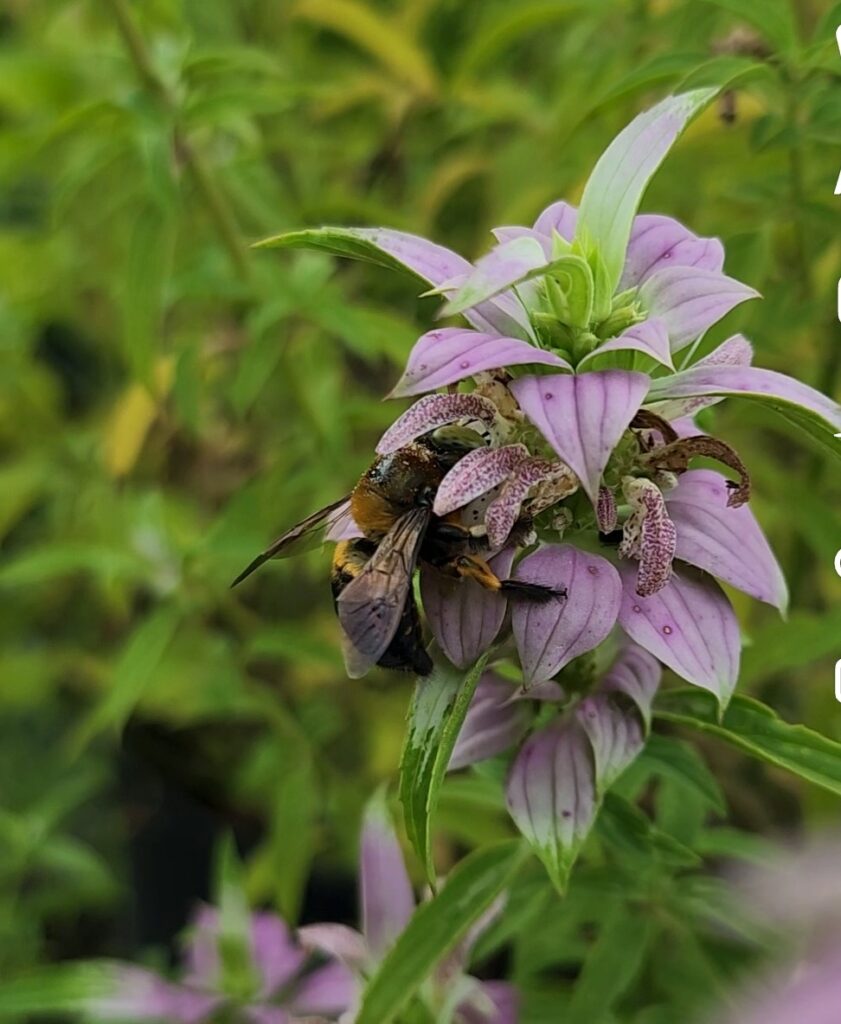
[170,400]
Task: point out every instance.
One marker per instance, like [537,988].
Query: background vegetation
[171,399]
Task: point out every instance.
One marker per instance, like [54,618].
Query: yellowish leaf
[131,419]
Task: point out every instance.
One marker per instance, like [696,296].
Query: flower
[387,903]
[277,981]
[573,326]
[560,774]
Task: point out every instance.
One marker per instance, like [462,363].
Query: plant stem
[214,200]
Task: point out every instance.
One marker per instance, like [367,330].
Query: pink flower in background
[387,902]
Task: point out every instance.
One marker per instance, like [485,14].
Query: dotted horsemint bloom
[583,445]
[387,902]
[277,981]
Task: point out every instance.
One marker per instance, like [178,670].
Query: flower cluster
[580,476]
[312,976]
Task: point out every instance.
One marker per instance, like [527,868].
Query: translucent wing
[303,536]
[371,606]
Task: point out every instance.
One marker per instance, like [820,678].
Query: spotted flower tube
[574,369]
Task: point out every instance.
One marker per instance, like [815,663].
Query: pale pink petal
[277,956]
[495,721]
[807,993]
[689,301]
[649,337]
[551,794]
[502,267]
[477,473]
[558,217]
[464,617]
[657,242]
[134,993]
[583,416]
[336,941]
[690,626]
[615,732]
[804,406]
[725,542]
[550,634]
[328,990]
[450,354]
[431,412]
[385,890]
[637,674]
[735,351]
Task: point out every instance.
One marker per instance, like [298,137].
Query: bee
[371,576]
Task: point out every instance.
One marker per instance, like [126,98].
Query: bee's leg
[471,567]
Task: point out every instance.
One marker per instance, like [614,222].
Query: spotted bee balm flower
[575,376]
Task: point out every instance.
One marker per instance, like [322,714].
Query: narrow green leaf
[683,763]
[611,965]
[756,729]
[146,273]
[437,926]
[781,646]
[351,243]
[135,667]
[238,976]
[436,715]
[626,828]
[613,191]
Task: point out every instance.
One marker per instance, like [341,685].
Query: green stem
[214,200]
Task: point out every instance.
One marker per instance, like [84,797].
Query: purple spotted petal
[550,634]
[615,732]
[649,535]
[735,351]
[690,626]
[809,409]
[338,942]
[650,337]
[432,412]
[328,990]
[551,794]
[495,721]
[657,242]
[502,267]
[474,475]
[725,542]
[463,616]
[606,510]
[385,890]
[637,674]
[502,513]
[583,416]
[493,1002]
[558,217]
[690,300]
[134,993]
[451,354]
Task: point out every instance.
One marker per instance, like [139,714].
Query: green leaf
[146,273]
[437,926]
[774,19]
[385,41]
[59,988]
[757,730]
[436,715]
[613,191]
[683,763]
[611,965]
[238,975]
[804,638]
[625,827]
[140,658]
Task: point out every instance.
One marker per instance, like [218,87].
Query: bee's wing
[302,536]
[370,606]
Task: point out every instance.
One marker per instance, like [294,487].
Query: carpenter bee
[371,576]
